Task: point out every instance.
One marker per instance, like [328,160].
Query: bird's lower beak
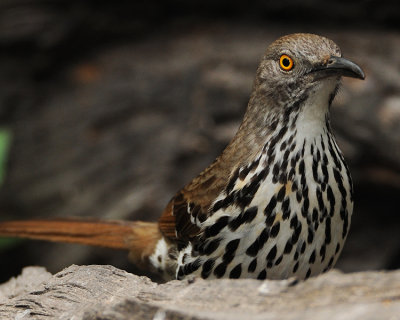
[338,66]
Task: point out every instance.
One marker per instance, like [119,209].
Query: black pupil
[286,62]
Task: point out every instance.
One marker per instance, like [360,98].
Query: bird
[278,201]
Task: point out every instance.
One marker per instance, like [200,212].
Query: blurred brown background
[113,106]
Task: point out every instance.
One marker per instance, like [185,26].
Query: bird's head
[299,63]
[296,70]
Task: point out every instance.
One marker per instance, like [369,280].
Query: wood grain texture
[104,292]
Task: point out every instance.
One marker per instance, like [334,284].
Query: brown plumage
[136,236]
[277,202]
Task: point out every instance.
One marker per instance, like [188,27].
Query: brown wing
[191,206]
[179,221]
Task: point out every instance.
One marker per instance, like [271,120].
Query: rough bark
[104,292]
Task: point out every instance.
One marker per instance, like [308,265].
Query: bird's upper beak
[338,66]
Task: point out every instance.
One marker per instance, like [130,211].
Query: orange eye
[286,62]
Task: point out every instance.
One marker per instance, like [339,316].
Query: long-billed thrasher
[276,203]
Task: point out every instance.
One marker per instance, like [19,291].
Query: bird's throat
[312,120]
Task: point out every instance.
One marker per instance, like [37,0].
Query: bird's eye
[286,62]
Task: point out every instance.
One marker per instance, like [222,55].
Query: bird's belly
[289,247]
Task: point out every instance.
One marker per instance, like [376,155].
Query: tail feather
[109,234]
[138,237]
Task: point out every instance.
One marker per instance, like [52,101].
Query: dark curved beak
[338,66]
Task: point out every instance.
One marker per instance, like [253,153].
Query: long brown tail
[140,238]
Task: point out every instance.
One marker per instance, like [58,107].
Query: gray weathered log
[104,292]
